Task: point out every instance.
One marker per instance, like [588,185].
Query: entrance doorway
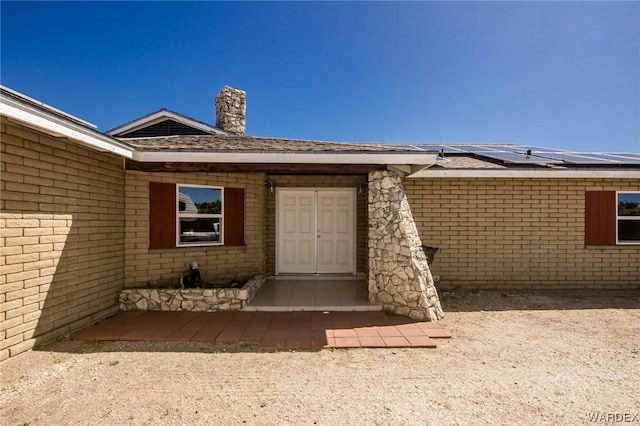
[315,231]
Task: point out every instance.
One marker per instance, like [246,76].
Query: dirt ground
[515,358]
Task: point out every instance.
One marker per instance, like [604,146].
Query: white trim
[49,107]
[510,173]
[204,216]
[59,127]
[286,157]
[619,218]
[160,116]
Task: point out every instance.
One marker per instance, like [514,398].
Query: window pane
[628,204]
[194,200]
[629,230]
[193,231]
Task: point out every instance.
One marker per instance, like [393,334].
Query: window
[192,215]
[199,215]
[628,217]
[612,218]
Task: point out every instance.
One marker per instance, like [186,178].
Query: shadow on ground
[69,345]
[506,300]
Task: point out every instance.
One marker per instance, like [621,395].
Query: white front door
[315,231]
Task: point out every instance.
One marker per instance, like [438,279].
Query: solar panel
[512,149]
[612,158]
[624,157]
[448,149]
[437,148]
[401,146]
[539,150]
[517,154]
[476,149]
[576,158]
[512,157]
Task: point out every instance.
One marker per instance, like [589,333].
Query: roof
[466,162]
[17,96]
[247,149]
[513,160]
[452,159]
[218,147]
[35,114]
[225,143]
[132,128]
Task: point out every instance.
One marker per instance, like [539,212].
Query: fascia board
[59,127]
[534,174]
[287,157]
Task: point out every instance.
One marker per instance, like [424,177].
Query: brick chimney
[231,109]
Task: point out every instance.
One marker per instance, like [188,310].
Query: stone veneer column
[399,276]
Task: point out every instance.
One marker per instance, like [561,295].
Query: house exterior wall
[143,265]
[522,233]
[313,181]
[61,237]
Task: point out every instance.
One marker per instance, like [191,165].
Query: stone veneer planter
[190,299]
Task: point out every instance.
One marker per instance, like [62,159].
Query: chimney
[231,109]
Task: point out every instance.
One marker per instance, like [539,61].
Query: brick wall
[525,233]
[61,237]
[301,181]
[216,262]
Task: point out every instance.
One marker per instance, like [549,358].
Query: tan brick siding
[287,181]
[61,237]
[143,265]
[524,233]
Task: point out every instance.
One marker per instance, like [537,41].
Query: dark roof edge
[46,108]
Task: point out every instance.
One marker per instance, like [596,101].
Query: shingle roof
[223,143]
[466,162]
[251,144]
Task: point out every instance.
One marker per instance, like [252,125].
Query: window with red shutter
[612,218]
[195,215]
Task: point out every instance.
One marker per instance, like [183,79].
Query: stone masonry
[231,110]
[399,276]
[190,299]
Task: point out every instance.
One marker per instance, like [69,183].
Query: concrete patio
[304,294]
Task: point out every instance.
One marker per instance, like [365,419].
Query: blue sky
[553,74]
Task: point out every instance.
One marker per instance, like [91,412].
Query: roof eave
[529,173]
[53,124]
[287,157]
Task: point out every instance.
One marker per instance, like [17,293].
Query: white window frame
[199,216]
[619,218]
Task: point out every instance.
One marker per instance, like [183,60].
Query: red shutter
[600,218]
[233,216]
[162,215]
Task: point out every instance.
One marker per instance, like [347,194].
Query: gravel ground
[515,358]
